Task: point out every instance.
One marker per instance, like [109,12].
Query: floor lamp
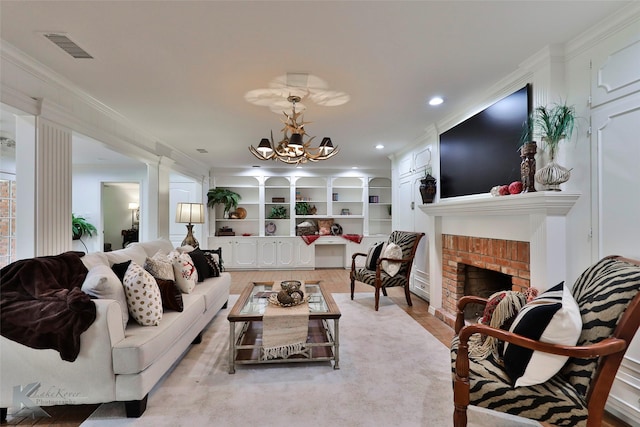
[190,213]
[133,207]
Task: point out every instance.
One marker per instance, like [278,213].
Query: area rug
[392,373]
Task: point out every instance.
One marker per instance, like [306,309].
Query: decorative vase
[528,166]
[428,188]
[552,174]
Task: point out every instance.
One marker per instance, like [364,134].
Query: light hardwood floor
[336,281]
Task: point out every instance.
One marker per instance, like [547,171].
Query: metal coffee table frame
[245,327]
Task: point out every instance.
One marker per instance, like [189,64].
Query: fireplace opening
[483,283]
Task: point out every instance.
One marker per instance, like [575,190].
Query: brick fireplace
[523,236]
[459,253]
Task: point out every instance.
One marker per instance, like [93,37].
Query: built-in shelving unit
[379,206]
[360,205]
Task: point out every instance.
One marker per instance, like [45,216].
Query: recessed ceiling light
[379,146]
[436,100]
[354,167]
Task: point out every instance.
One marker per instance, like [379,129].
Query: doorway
[120,214]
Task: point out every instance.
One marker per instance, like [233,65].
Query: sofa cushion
[102,283]
[93,259]
[133,253]
[143,296]
[552,317]
[214,289]
[142,345]
[152,247]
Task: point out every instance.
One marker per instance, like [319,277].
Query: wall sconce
[190,213]
[133,207]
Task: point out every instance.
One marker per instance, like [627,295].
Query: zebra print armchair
[378,277]
[608,296]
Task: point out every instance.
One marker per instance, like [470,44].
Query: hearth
[483,283]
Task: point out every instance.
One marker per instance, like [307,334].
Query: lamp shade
[192,213]
[133,205]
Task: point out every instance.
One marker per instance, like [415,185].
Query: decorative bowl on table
[290,285]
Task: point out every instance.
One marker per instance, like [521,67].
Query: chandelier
[292,149]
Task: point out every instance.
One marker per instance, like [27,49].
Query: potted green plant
[80,227]
[278,212]
[223,196]
[554,124]
[303,208]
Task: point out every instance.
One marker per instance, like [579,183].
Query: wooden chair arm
[602,348]
[462,303]
[353,260]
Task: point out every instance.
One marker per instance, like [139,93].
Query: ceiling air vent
[201,150]
[68,45]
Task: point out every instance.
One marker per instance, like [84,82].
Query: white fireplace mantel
[540,202]
[538,218]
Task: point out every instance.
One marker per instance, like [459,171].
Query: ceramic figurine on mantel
[428,188]
[554,125]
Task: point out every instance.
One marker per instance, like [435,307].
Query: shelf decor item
[223,196]
[528,166]
[554,124]
[278,212]
[428,188]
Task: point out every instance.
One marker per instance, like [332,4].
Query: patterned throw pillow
[184,270]
[374,253]
[143,296]
[395,252]
[553,317]
[160,267]
[212,262]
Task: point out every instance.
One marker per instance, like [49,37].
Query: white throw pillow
[552,317]
[391,251]
[143,296]
[102,283]
[185,271]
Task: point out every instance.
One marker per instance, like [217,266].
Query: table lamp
[133,207]
[190,213]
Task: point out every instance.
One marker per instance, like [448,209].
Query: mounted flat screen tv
[482,151]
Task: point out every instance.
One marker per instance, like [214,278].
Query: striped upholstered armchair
[608,304]
[383,270]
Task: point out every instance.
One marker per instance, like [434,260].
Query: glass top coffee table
[245,324]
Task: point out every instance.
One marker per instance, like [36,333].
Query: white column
[52,188]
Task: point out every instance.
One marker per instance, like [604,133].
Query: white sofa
[115,363]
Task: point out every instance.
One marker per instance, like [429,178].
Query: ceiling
[180,70]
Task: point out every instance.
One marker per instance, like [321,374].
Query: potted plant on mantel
[554,124]
[223,196]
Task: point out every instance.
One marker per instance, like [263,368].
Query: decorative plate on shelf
[270,228]
[241,212]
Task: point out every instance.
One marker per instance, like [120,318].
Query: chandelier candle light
[292,149]
[190,213]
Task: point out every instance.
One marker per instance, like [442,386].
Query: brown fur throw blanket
[42,305]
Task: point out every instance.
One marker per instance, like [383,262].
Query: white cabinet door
[305,254]
[286,253]
[245,253]
[267,254]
